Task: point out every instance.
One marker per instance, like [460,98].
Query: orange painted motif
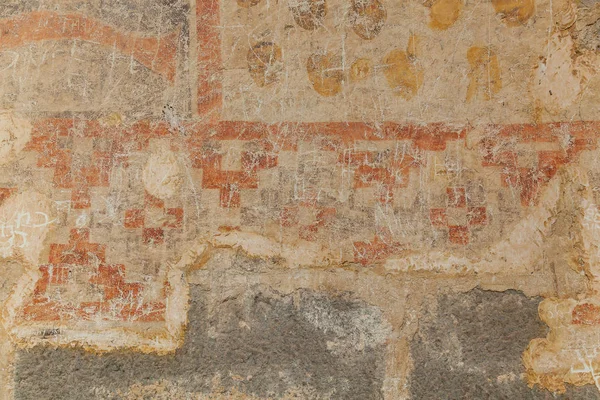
[5,193]
[375,250]
[580,136]
[120,299]
[457,199]
[444,13]
[230,183]
[586,314]
[378,169]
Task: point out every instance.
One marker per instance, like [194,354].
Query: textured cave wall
[305,199]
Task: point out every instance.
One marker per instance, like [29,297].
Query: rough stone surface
[467,347]
[260,343]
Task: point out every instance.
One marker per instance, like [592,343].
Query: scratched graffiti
[14,229]
[388,151]
[64,50]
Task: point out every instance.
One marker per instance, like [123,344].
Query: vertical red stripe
[209,59]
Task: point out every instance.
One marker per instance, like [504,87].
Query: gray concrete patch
[260,343]
[471,346]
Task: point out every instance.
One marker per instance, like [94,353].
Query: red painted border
[210,96]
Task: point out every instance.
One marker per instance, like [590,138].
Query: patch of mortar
[469,346]
[259,343]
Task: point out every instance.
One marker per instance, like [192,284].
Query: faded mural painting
[303,199]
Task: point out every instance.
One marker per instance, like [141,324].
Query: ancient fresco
[254,199]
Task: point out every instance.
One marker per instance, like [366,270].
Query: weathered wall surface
[306,199]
